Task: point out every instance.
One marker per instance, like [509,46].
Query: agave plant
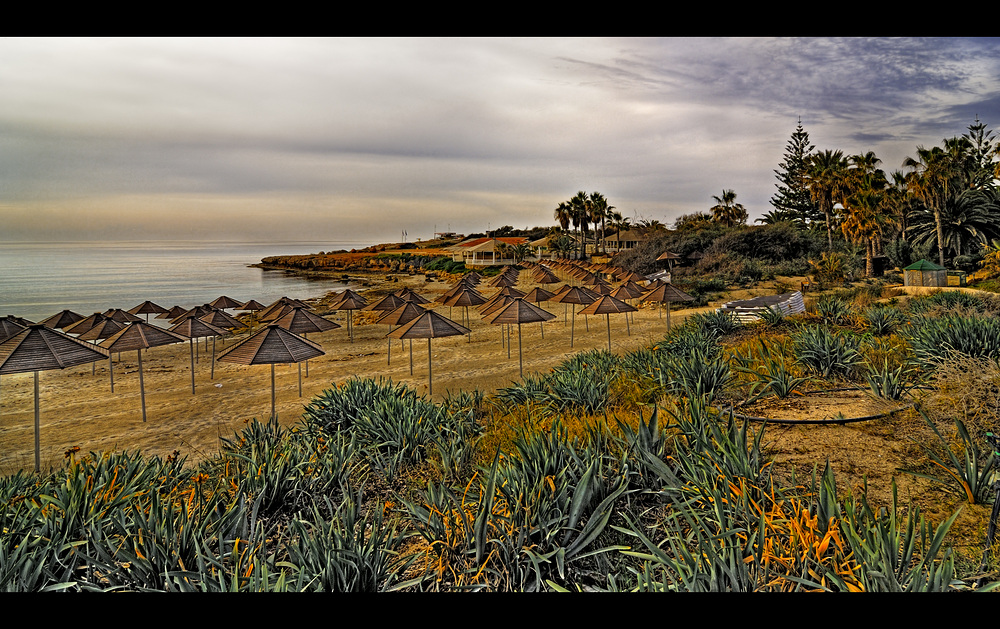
[968,472]
[832,309]
[891,383]
[770,371]
[882,320]
[825,353]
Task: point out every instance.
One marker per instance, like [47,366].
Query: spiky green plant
[832,309]
[888,382]
[883,320]
[968,471]
[826,353]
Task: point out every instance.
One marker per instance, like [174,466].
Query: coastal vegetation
[631,472]
[655,469]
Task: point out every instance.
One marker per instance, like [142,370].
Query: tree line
[945,199]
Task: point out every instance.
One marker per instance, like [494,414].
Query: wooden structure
[924,273]
[270,345]
[140,335]
[38,348]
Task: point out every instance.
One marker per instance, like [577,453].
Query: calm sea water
[38,280]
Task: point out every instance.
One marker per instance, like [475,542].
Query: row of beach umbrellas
[31,347]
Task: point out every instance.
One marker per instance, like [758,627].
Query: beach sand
[78,408]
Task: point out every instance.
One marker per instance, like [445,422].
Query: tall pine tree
[792,201]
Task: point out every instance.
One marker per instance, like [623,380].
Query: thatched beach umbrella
[387,304]
[349,301]
[302,321]
[121,316]
[140,335]
[9,327]
[605,306]
[147,308]
[401,316]
[219,319]
[536,296]
[101,330]
[270,345]
[38,348]
[664,294]
[252,306]
[61,320]
[427,326]
[223,303]
[574,295]
[467,297]
[193,328]
[520,311]
[171,313]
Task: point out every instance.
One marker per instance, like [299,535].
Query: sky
[363,139]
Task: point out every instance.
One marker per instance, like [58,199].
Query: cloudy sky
[360,139]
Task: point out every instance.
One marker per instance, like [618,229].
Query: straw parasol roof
[519,311]
[408,294]
[147,308]
[9,328]
[270,345]
[427,326]
[573,295]
[171,313]
[38,348]
[121,316]
[349,300]
[192,327]
[666,293]
[84,324]
[61,319]
[607,305]
[302,321]
[224,302]
[222,320]
[140,335]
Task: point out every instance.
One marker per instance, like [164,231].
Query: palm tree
[825,177]
[972,219]
[865,202]
[933,172]
[727,211]
[581,218]
[600,212]
[564,215]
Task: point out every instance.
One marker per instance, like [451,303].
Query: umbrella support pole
[142,387]
[520,356]
[508,341]
[668,316]
[273,413]
[609,330]
[430,373]
[38,429]
[411,357]
[111,371]
[212,377]
[572,330]
[300,379]
[191,343]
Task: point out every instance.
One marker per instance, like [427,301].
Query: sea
[39,279]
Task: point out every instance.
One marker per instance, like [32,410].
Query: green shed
[924,273]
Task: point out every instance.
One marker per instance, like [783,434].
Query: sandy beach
[78,409]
